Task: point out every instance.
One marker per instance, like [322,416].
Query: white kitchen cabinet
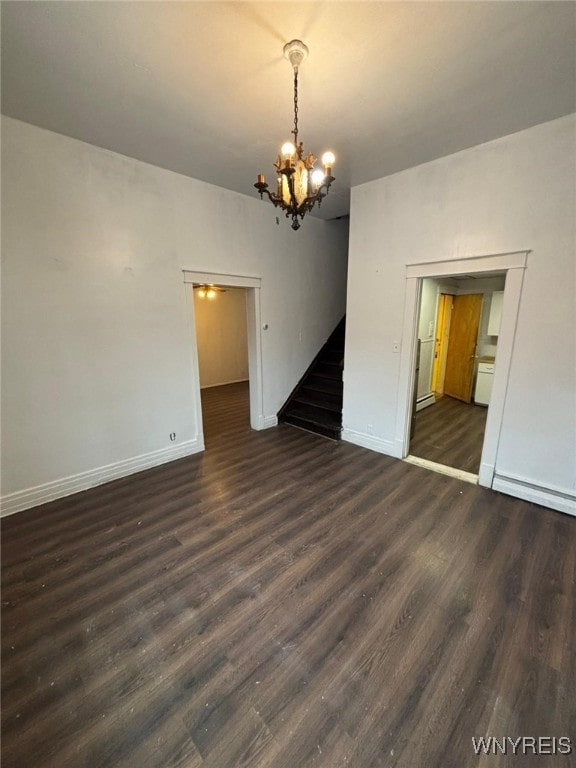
[484,379]
[495,313]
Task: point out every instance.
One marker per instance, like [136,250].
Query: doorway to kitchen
[418,397]
[458,328]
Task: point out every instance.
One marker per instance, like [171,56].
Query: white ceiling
[202,88]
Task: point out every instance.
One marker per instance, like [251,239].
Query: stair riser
[320,399]
[321,384]
[333,358]
[321,416]
[334,434]
[328,371]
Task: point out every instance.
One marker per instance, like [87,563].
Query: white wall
[97,363]
[511,194]
[221,337]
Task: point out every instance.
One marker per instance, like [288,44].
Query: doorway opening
[224,312]
[458,328]
[458,277]
[222,340]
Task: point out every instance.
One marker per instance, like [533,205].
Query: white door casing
[253,318]
[513,264]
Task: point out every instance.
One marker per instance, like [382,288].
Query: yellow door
[460,357]
[443,318]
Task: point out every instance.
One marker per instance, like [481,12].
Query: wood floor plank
[450,432]
[284,601]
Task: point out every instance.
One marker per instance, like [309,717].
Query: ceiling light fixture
[299,186]
[208,291]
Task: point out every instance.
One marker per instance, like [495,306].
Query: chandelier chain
[295,131]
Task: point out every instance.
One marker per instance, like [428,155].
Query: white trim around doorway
[252,284]
[513,264]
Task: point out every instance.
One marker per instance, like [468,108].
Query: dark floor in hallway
[284,601]
[450,432]
[225,411]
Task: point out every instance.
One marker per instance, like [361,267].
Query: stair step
[323,384]
[332,356]
[328,371]
[310,426]
[328,400]
[314,415]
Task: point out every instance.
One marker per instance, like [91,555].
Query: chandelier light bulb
[288,149]
[317,177]
[328,159]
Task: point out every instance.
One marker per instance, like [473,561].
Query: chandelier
[299,185]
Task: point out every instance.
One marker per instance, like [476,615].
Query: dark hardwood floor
[225,413]
[450,432]
[285,601]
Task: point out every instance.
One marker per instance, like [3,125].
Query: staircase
[316,402]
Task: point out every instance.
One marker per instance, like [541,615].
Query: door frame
[514,264]
[253,326]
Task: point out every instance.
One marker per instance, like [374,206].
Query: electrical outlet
[369,429]
[300,336]
[172,436]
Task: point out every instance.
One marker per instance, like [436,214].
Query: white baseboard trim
[559,499]
[486,475]
[425,401]
[265,422]
[223,383]
[388,447]
[269,421]
[57,489]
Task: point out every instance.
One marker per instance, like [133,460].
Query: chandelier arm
[308,203]
[263,189]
